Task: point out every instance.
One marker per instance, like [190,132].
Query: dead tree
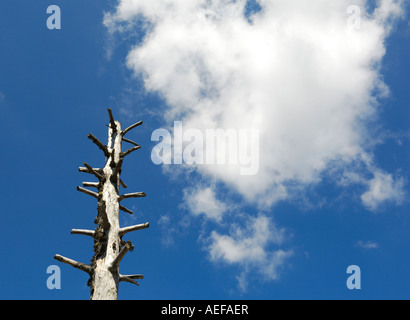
[109,247]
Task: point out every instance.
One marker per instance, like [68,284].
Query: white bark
[105,285]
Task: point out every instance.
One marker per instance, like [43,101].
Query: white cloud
[297,73]
[203,201]
[294,71]
[383,188]
[168,230]
[367,244]
[171,228]
[249,247]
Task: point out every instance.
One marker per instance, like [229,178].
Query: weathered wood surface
[109,248]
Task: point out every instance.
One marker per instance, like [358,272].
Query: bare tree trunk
[109,248]
[105,277]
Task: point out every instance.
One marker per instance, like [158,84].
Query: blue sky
[291,231]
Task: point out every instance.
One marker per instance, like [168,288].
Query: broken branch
[132,195]
[78,265]
[112,122]
[130,141]
[115,264]
[131,127]
[83,232]
[130,278]
[123,184]
[91,184]
[99,144]
[91,170]
[90,193]
[135,276]
[85,170]
[122,208]
[133,228]
[126,153]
